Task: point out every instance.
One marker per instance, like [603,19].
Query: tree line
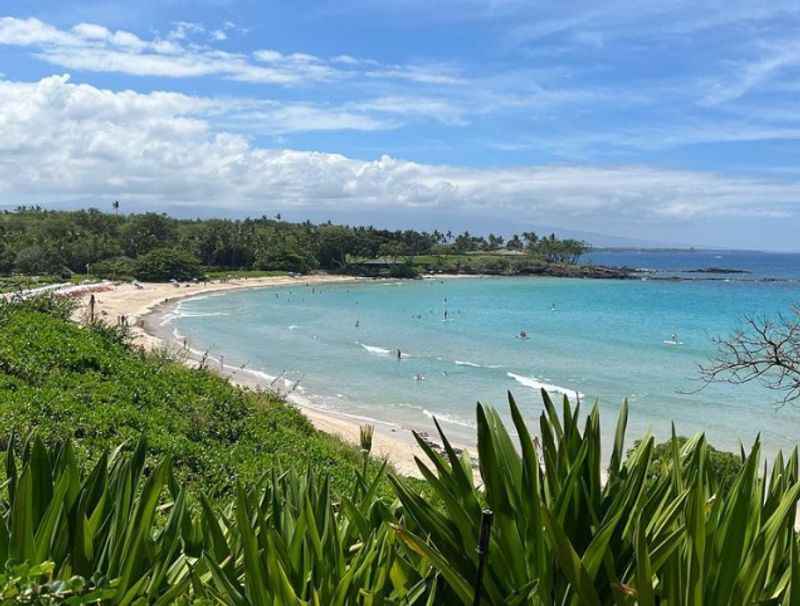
[37,241]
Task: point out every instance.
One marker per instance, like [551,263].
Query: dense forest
[37,241]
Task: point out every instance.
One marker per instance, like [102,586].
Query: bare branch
[762,350]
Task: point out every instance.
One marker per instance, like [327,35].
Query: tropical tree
[164,264]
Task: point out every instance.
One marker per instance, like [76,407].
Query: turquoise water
[605,339]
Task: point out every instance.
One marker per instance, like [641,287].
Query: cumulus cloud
[61,140]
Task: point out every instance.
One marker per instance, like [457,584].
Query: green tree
[515,243]
[163,264]
[335,242]
[37,260]
[286,256]
[143,233]
[116,268]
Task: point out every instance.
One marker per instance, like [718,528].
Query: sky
[673,122]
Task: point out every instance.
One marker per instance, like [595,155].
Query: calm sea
[605,339]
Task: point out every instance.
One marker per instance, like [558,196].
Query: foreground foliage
[563,536]
[144,481]
[128,531]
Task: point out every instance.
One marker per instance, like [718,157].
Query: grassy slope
[66,381]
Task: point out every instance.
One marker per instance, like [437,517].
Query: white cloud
[90,31]
[60,140]
[650,20]
[92,47]
[185,29]
[32,32]
[267,117]
[440,109]
[750,75]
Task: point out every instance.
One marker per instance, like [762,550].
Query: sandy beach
[144,304]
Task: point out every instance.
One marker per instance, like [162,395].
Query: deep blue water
[605,339]
[760,265]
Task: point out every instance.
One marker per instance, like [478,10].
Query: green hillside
[65,381]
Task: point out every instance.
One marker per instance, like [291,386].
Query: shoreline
[145,305]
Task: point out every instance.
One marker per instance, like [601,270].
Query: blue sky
[672,122]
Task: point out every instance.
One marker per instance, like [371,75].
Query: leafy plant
[96,537]
[116,268]
[163,264]
[126,532]
[723,467]
[67,382]
[563,535]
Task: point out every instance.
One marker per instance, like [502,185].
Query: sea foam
[535,383]
[382,351]
[474,365]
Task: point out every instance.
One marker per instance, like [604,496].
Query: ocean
[606,340]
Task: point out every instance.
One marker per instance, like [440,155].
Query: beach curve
[142,305]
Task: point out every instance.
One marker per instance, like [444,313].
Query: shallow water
[604,339]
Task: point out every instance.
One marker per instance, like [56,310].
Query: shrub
[286,259]
[129,532]
[403,270]
[564,536]
[723,466]
[37,260]
[124,533]
[118,268]
[163,264]
[46,303]
[69,382]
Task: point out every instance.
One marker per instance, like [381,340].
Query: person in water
[358,323]
[523,334]
[399,353]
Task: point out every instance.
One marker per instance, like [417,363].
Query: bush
[286,260]
[82,383]
[126,534]
[403,270]
[557,532]
[118,268]
[564,535]
[46,303]
[723,466]
[37,260]
[163,264]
